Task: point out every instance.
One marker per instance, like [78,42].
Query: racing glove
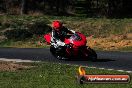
[68,45]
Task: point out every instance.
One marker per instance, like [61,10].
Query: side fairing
[47,38]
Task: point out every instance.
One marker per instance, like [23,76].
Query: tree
[23,7]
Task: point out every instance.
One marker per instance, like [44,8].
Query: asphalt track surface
[107,60]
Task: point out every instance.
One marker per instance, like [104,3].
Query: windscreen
[75,37]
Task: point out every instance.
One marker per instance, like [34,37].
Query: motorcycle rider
[58,35]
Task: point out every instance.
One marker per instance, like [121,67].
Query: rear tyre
[92,54]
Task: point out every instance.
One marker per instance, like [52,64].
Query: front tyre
[57,52]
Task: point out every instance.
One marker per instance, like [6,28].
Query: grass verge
[51,75]
[128,49]
[22,44]
[118,30]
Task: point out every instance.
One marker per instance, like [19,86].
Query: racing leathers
[57,37]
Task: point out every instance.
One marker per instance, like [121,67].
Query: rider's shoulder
[64,28]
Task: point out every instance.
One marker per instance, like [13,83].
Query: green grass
[126,49]
[122,49]
[51,75]
[6,43]
[89,26]
[22,44]
[34,44]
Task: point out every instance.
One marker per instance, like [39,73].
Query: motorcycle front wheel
[57,53]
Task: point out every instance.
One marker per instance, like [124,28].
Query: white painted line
[110,69]
[104,68]
[16,60]
[121,70]
[91,67]
[76,65]
[129,71]
[20,60]
[60,63]
[101,68]
[68,64]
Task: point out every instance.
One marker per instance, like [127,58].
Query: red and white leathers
[57,37]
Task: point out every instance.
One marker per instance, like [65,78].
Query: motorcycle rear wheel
[91,54]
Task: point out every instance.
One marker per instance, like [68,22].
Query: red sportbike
[75,48]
